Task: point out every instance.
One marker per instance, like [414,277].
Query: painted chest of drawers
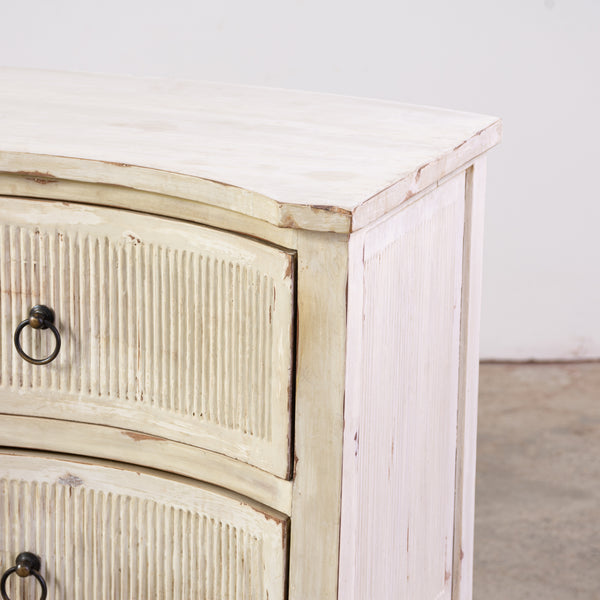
[267,304]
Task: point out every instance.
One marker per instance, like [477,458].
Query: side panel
[401,403]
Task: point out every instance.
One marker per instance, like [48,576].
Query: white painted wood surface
[169,329]
[366,215]
[104,531]
[294,159]
[468,383]
[401,402]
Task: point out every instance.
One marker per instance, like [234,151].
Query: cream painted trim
[133,447]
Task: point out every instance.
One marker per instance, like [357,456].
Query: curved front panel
[169,329]
[106,532]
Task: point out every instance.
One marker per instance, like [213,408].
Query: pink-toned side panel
[468,383]
[402,382]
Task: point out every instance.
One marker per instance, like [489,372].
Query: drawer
[169,329]
[103,531]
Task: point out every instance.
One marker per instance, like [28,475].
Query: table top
[294,159]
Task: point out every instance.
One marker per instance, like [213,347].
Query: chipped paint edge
[47,170]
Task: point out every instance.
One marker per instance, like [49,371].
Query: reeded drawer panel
[103,531]
[168,328]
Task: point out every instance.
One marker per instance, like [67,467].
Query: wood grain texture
[103,531]
[319,419]
[401,402]
[294,159]
[468,383]
[358,228]
[178,330]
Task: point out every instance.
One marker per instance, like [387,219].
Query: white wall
[536,63]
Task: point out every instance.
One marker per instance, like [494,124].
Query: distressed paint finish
[319,417]
[113,443]
[401,402]
[104,531]
[294,159]
[172,329]
[360,232]
[468,383]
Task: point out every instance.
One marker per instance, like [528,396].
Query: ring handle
[26,564]
[40,317]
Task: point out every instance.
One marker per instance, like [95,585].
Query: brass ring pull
[26,564]
[40,317]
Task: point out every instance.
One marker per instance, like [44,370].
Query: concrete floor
[537,520]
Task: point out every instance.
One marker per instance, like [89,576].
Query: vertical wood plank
[401,402]
[462,588]
[314,544]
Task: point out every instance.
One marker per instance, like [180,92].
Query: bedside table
[267,306]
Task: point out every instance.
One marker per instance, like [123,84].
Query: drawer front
[106,532]
[168,329]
